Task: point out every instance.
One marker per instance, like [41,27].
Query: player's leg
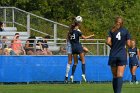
[120,72]
[85,49]
[117,78]
[75,56]
[133,73]
[83,65]
[69,52]
[68,67]
[114,81]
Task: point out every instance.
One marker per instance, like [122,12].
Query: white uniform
[68,47]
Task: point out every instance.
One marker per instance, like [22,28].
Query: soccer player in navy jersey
[134,56]
[69,50]
[117,38]
[77,49]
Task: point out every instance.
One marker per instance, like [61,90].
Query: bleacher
[10,33]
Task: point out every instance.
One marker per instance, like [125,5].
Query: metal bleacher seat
[10,29]
[10,35]
[53,46]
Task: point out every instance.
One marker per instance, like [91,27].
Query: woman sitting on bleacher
[45,46]
[42,46]
[5,47]
[30,46]
[39,48]
[17,46]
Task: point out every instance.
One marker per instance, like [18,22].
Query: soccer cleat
[71,79]
[84,77]
[66,80]
[137,82]
[131,82]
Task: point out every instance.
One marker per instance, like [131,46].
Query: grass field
[67,88]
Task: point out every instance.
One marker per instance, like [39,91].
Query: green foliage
[98,15]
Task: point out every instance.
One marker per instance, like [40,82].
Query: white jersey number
[118,36]
[72,36]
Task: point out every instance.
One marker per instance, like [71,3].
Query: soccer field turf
[67,88]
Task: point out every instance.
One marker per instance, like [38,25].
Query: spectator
[5,47]
[45,46]
[17,45]
[63,50]
[39,48]
[30,45]
[1,27]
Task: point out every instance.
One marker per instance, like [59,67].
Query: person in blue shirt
[77,49]
[117,38]
[134,56]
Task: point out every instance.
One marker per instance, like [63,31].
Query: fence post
[4,15]
[97,47]
[104,49]
[55,34]
[28,24]
[13,17]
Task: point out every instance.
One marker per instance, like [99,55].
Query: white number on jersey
[131,55]
[72,36]
[118,36]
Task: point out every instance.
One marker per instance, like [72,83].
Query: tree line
[98,15]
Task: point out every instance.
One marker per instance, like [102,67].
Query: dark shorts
[131,64]
[77,50]
[117,61]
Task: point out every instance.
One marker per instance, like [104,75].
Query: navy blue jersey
[118,40]
[74,38]
[133,55]
[75,43]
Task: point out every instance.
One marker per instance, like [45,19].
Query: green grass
[66,88]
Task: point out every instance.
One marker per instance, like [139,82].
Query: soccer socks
[67,70]
[73,69]
[119,83]
[134,78]
[83,69]
[114,83]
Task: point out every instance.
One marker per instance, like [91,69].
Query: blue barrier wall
[52,68]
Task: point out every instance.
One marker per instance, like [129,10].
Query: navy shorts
[77,50]
[133,63]
[117,61]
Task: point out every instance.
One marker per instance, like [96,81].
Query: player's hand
[93,35]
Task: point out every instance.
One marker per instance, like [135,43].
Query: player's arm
[108,41]
[86,37]
[128,38]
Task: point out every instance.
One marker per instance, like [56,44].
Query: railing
[30,22]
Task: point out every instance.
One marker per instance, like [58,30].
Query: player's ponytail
[115,27]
